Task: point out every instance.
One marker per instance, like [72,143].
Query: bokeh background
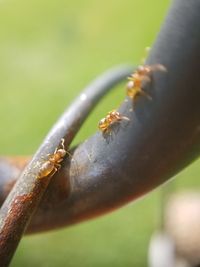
[49,51]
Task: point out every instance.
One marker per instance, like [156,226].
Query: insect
[52,165]
[134,86]
[111,118]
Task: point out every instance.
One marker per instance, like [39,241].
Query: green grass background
[49,50]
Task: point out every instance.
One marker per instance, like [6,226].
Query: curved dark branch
[163,135]
[23,199]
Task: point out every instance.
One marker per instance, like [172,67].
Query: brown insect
[111,118]
[52,165]
[134,86]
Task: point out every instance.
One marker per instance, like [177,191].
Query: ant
[142,73]
[111,118]
[52,165]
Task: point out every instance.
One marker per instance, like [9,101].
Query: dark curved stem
[25,196]
[162,137]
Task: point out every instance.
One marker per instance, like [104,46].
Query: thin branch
[25,196]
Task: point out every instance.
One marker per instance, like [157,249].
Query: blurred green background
[50,50]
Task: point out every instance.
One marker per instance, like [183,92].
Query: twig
[22,201]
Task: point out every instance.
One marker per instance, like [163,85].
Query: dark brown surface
[162,137]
